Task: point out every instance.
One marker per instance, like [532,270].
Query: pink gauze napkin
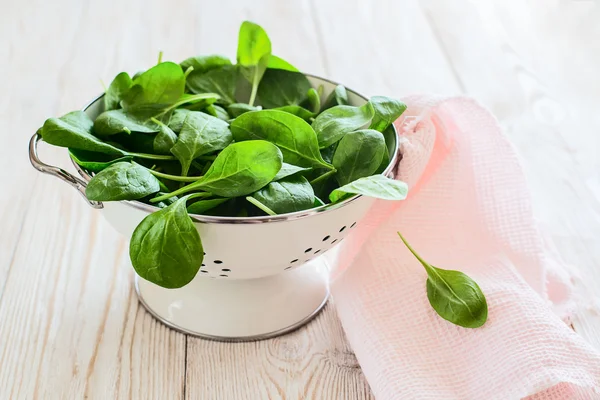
[468,208]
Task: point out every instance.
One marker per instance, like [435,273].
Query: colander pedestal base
[240,309]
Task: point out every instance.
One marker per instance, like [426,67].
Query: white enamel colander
[261,276]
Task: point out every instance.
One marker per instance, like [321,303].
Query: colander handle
[60,173]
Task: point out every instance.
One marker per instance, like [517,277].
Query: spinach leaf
[118,121]
[288,170]
[390,136]
[358,155]
[164,140]
[377,186]
[387,110]
[202,64]
[177,118]
[116,90]
[122,181]
[217,111]
[313,100]
[162,84]
[290,194]
[202,206]
[453,295]
[280,88]
[74,130]
[237,109]
[339,97]
[94,162]
[165,247]
[240,169]
[332,124]
[295,138]
[200,134]
[279,63]
[318,202]
[220,80]
[298,111]
[253,54]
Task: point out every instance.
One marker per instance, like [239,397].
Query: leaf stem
[254,87]
[160,56]
[260,205]
[189,99]
[177,193]
[423,262]
[152,156]
[176,178]
[188,71]
[323,177]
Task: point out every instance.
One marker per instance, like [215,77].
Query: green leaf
[314,100]
[240,169]
[237,109]
[387,110]
[339,97]
[201,206]
[162,84]
[217,111]
[120,121]
[164,140]
[390,136]
[165,247]
[332,124]
[280,88]
[288,170]
[298,111]
[453,295]
[116,90]
[290,194]
[253,54]
[221,81]
[377,186]
[279,63]
[177,118]
[122,181]
[94,162]
[295,138]
[358,155]
[202,64]
[200,134]
[74,130]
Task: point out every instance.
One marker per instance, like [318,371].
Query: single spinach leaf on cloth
[164,140]
[279,63]
[200,134]
[290,194]
[165,248]
[119,121]
[295,138]
[74,130]
[453,294]
[122,181]
[332,124]
[217,111]
[288,170]
[377,186]
[202,206]
[220,80]
[202,64]
[95,162]
[387,110]
[358,155]
[116,90]
[162,84]
[240,169]
[253,53]
[339,97]
[280,88]
[237,109]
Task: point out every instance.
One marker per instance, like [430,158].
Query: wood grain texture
[70,323]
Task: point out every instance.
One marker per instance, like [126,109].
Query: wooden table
[70,323]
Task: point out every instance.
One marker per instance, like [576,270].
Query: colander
[261,276]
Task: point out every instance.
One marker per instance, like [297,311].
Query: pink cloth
[468,209]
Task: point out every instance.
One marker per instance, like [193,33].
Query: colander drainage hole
[308,250]
[343,227]
[286,268]
[318,251]
[204,271]
[293,261]
[226,270]
[334,240]
[224,276]
[218,262]
[204,265]
[353,225]
[326,238]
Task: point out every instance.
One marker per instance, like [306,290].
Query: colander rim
[260,219]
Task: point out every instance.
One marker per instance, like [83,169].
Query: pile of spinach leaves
[189,139]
